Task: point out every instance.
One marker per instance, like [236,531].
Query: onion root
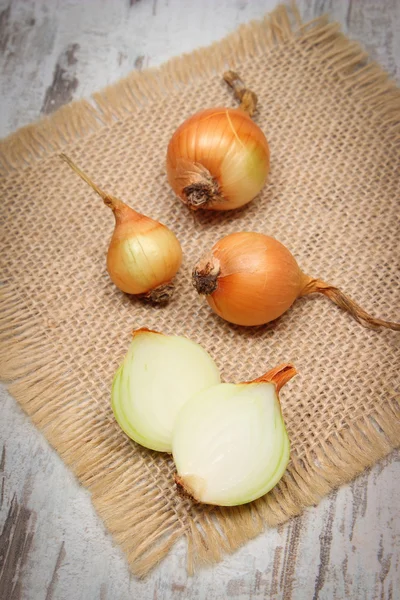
[205,274]
[160,295]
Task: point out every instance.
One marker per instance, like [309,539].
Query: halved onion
[158,376]
[230,444]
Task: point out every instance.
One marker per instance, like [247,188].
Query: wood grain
[64,83]
[15,543]
[52,545]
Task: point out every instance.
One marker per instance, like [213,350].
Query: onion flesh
[158,376]
[230,444]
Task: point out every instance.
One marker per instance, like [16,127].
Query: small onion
[230,444]
[157,377]
[251,279]
[143,255]
[219,158]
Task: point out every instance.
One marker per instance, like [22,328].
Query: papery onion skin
[143,254]
[230,444]
[256,279]
[158,375]
[218,159]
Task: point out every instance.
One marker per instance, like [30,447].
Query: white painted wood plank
[348,546]
[107,41]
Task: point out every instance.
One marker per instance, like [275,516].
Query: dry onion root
[251,279]
[218,159]
[144,255]
[230,444]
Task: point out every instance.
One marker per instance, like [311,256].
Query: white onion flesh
[159,375]
[230,444]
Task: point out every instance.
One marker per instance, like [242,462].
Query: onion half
[230,444]
[158,376]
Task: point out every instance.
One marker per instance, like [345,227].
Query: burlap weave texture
[332,197]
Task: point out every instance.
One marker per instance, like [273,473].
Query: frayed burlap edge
[42,383]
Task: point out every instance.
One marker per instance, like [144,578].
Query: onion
[219,158]
[159,374]
[230,444]
[251,279]
[144,255]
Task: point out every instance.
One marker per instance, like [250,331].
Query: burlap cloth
[332,120]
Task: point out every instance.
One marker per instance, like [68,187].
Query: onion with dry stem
[251,279]
[218,159]
[144,255]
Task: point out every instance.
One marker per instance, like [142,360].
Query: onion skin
[218,159]
[279,376]
[143,254]
[255,279]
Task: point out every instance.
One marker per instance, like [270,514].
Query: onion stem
[108,200]
[248,99]
[280,375]
[347,304]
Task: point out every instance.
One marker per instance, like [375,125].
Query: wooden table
[52,544]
